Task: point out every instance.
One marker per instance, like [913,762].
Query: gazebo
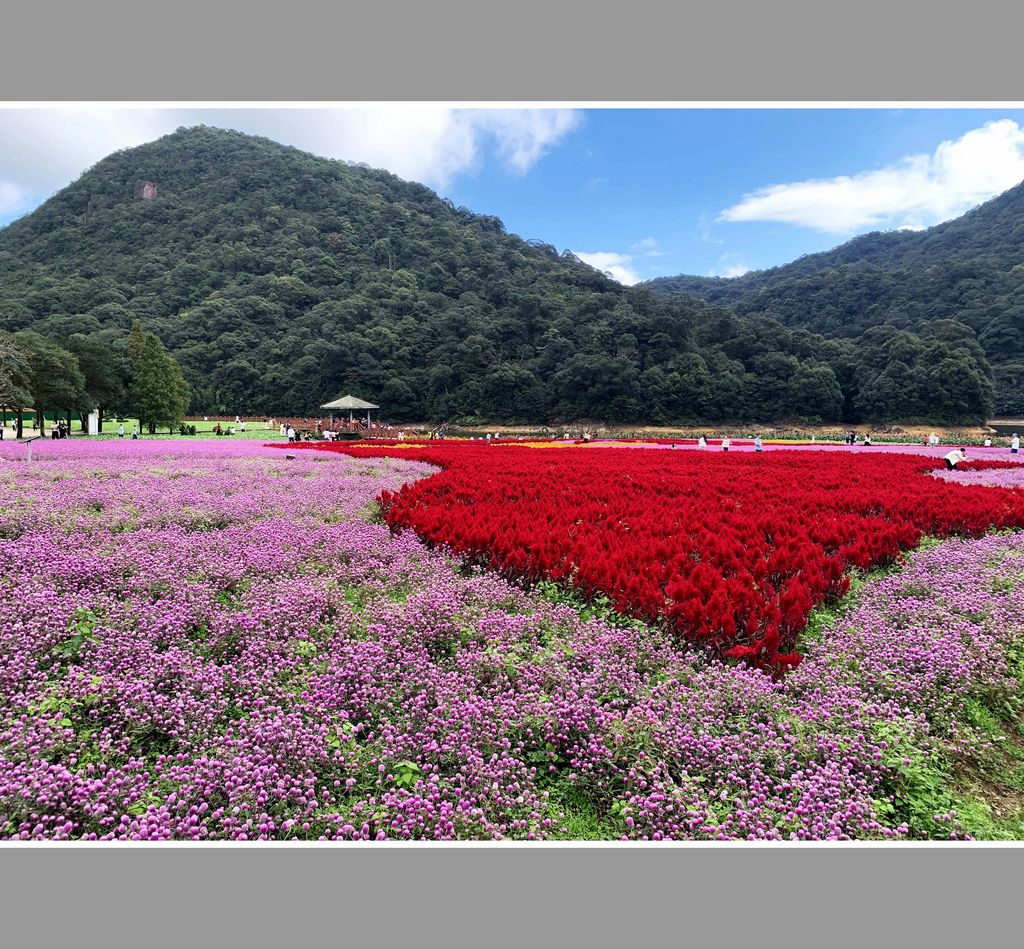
[351,404]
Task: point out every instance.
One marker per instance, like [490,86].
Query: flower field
[733,550]
[209,641]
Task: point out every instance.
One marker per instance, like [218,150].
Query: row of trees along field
[104,370]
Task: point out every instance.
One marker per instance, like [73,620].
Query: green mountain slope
[280,280]
[970,269]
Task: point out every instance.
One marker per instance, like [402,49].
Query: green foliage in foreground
[984,791]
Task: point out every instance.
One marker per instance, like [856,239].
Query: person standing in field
[291,434]
[120,431]
[757,443]
[1014,444]
[702,443]
[988,442]
[135,433]
[954,457]
[725,443]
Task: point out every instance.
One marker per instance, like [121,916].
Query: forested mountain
[280,280]
[970,270]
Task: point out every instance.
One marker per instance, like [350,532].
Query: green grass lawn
[254,430]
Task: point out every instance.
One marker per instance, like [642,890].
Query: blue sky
[637,192]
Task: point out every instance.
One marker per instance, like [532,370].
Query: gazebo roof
[349,402]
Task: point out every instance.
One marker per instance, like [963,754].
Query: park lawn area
[254,430]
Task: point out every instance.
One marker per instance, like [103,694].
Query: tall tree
[136,340]
[55,380]
[15,375]
[107,370]
[159,391]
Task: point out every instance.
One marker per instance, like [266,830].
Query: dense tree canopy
[87,371]
[967,273]
[15,374]
[55,380]
[280,280]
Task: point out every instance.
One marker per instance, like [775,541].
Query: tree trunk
[99,427]
[20,424]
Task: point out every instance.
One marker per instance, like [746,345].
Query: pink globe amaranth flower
[248,641]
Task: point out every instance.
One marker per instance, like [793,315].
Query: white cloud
[617,266]
[647,247]
[523,136]
[44,149]
[917,192]
[13,199]
[729,265]
[704,230]
[621,266]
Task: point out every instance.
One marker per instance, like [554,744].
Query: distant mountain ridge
[969,269]
[280,280]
